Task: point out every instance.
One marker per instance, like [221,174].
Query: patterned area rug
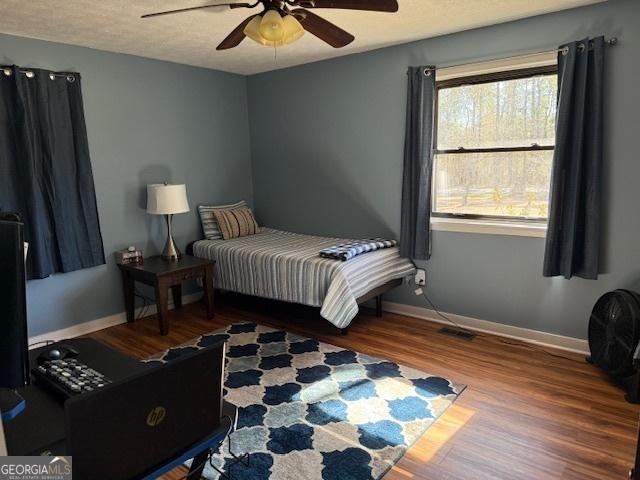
[313,411]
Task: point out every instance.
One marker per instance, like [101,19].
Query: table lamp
[165,199]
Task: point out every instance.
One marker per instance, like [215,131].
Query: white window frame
[514,227]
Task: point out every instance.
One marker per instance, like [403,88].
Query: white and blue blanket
[346,251]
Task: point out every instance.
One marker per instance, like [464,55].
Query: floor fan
[614,334]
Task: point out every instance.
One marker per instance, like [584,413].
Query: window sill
[491,227]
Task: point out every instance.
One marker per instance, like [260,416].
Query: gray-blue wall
[327,142]
[325,152]
[148,121]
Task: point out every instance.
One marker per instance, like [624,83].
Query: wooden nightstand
[162,275]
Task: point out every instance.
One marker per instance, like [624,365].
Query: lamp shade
[252,30]
[167,199]
[272,26]
[293,30]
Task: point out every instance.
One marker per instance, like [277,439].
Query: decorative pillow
[236,222]
[208,219]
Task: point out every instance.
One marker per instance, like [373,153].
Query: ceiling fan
[284,21]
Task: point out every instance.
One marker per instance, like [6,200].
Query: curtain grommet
[29,74]
[71,78]
[564,51]
[52,76]
[7,71]
[581,48]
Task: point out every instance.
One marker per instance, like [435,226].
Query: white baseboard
[102,323]
[518,333]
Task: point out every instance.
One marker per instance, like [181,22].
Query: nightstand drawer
[182,276]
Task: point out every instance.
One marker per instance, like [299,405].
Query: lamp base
[171,251]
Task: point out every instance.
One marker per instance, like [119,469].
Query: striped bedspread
[286,266]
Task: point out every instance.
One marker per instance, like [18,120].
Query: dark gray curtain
[415,235]
[573,234]
[45,170]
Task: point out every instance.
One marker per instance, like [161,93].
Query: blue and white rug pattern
[313,411]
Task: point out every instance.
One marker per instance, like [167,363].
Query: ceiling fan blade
[235,37]
[370,5]
[323,29]
[189,9]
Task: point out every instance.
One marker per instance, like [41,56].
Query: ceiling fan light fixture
[272,26]
[252,30]
[279,25]
[293,29]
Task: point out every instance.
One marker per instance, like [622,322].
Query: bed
[286,266]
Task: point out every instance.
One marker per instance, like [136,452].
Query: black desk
[40,430]
[40,427]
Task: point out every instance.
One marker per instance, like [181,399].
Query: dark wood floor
[525,415]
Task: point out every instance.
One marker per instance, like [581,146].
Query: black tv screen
[14,349]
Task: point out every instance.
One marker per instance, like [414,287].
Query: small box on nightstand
[129,256]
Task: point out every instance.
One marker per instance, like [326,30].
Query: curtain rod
[30,74]
[564,50]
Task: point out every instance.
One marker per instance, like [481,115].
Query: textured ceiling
[191,37]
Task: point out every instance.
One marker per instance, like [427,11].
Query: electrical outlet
[421,277]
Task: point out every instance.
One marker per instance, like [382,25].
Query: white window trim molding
[498,65]
[491,227]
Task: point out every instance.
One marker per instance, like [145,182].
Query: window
[494,142]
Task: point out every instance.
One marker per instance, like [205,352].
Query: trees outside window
[495,136]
